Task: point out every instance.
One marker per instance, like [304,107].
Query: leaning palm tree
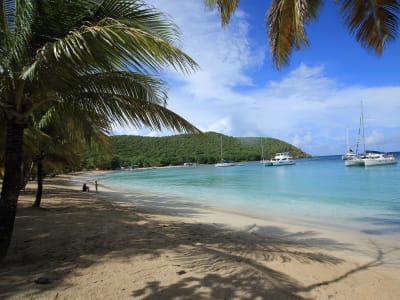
[374,23]
[99,56]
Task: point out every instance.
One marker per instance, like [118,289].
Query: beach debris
[42,280]
[181,272]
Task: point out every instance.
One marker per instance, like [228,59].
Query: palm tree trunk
[39,190]
[11,184]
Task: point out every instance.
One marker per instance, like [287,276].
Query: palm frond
[24,19]
[6,25]
[373,22]
[124,110]
[144,113]
[225,8]
[55,18]
[285,22]
[109,46]
[127,84]
[137,14]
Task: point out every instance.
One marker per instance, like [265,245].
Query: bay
[319,191]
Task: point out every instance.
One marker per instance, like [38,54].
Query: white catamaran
[368,158]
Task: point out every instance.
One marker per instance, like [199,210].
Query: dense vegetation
[139,151]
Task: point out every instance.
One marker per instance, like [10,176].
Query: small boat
[280,159]
[225,162]
[378,159]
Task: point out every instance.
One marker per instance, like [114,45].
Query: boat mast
[362,124]
[262,150]
[221,149]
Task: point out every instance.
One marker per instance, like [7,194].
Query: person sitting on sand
[85,188]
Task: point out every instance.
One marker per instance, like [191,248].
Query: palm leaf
[119,97]
[109,46]
[129,111]
[225,8]
[373,22]
[20,47]
[285,22]
[138,15]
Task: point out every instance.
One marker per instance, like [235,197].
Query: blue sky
[311,103]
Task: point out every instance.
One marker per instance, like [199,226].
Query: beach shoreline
[239,218]
[105,246]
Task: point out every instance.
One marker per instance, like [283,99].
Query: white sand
[99,246]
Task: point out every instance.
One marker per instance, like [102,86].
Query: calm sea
[317,190]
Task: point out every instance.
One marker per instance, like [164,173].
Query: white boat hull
[349,156]
[379,162]
[354,162]
[225,164]
[280,159]
[283,163]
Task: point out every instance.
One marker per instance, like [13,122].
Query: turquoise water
[318,190]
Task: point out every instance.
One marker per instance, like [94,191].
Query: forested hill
[204,149]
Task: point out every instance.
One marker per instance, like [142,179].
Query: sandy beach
[83,245]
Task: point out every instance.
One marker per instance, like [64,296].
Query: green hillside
[142,151]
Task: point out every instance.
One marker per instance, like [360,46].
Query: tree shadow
[384,224]
[250,279]
[81,229]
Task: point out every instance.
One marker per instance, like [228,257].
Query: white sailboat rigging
[350,154]
[262,161]
[224,162]
[356,160]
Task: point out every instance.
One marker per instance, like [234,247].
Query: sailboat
[369,158]
[224,162]
[350,154]
[357,160]
[262,161]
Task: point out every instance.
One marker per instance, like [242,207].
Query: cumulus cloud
[300,141]
[375,138]
[222,125]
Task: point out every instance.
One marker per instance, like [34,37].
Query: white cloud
[375,138]
[301,141]
[222,125]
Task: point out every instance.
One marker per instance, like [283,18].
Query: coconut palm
[374,23]
[102,57]
[57,137]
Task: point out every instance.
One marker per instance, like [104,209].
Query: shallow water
[318,190]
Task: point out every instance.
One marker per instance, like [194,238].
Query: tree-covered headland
[140,151]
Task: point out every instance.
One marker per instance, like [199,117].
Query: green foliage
[139,151]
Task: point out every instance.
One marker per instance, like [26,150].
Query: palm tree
[58,137]
[374,23]
[102,57]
